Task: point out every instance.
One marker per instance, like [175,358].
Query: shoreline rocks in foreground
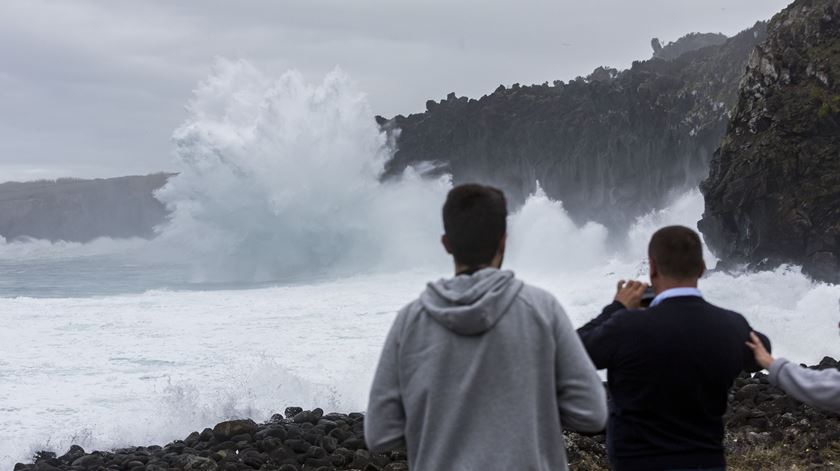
[766,430]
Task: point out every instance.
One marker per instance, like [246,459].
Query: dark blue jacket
[669,371]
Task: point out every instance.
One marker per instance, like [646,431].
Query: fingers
[639,288]
[635,288]
[620,285]
[630,293]
[755,343]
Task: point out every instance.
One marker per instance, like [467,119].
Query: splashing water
[280,178]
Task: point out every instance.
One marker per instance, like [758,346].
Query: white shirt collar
[675,292]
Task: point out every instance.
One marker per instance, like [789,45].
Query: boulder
[226,430]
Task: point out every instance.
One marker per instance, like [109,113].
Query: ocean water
[280,273]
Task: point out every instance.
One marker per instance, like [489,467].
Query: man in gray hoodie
[482,372]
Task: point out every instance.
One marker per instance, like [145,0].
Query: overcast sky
[95,88]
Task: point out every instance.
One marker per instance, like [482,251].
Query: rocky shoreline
[766,430]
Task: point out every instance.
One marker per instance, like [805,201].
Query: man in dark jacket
[669,367]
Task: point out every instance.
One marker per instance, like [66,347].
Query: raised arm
[600,336]
[385,417]
[580,395]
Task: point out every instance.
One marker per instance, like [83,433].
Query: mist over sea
[280,271]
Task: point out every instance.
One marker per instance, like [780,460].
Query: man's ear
[503,243]
[702,270]
[654,272]
[445,241]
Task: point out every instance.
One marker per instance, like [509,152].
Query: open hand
[629,293]
[762,356]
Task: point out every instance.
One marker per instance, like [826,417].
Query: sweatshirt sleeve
[819,388]
[580,394]
[385,417]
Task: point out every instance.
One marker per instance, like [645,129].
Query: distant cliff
[611,146]
[81,210]
[689,42]
[773,192]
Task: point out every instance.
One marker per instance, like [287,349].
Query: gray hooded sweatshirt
[482,373]
[818,388]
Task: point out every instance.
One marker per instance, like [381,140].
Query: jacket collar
[675,293]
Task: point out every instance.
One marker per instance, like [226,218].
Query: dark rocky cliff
[773,192]
[611,146]
[81,210]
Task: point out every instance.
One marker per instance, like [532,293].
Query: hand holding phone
[629,293]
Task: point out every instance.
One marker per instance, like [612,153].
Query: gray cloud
[95,87]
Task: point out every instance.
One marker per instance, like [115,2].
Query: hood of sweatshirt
[471,304]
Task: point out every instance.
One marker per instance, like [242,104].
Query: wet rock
[193,439]
[89,461]
[72,454]
[44,456]
[306,416]
[196,463]
[231,428]
[292,411]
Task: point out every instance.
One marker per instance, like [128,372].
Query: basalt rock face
[82,210]
[611,146]
[773,192]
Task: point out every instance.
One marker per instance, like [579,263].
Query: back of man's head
[677,253]
[474,221]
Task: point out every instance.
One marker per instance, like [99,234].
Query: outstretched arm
[600,335]
[817,388]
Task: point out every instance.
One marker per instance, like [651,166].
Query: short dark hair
[677,252]
[474,220]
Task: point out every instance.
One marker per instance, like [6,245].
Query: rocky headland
[80,210]
[766,430]
[773,191]
[611,146]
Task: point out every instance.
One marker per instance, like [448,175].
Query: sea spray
[280,178]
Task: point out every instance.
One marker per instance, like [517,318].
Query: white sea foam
[279,178]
